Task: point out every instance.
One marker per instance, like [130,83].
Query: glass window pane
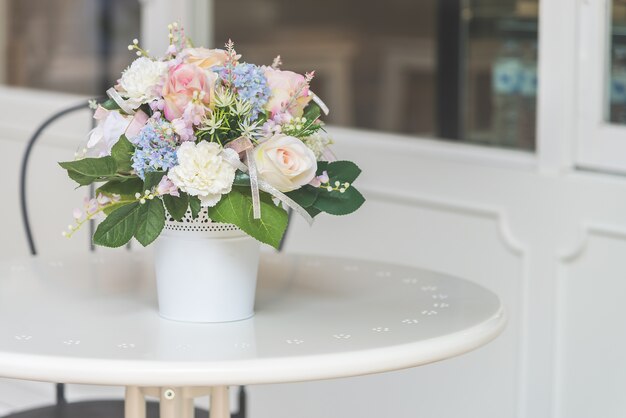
[617,70]
[453,69]
[76,46]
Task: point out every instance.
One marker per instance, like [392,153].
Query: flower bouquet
[200,128]
[201,133]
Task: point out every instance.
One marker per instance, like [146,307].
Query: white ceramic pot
[206,271]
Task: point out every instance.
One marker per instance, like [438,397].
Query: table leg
[134,403]
[220,402]
[171,404]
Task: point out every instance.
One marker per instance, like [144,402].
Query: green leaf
[152,179]
[119,227]
[312,111]
[241,179]
[92,167]
[342,171]
[123,152]
[151,220]
[123,187]
[337,203]
[81,179]
[195,206]
[313,211]
[305,196]
[110,208]
[110,104]
[236,208]
[176,206]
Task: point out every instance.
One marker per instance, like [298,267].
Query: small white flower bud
[337,184]
[135,41]
[130,47]
[330,189]
[138,53]
[137,195]
[342,190]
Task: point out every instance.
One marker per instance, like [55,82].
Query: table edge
[252,371]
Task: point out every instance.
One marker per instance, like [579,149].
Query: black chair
[85,409]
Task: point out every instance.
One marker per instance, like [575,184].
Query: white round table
[94,320]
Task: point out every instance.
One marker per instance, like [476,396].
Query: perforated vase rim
[202,225]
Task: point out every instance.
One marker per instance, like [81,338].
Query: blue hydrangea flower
[155,149]
[250,84]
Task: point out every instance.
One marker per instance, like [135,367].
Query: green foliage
[312,112]
[123,187]
[305,196]
[118,227]
[337,203]
[176,206]
[114,206]
[241,179]
[195,206]
[152,179]
[342,171]
[81,179]
[236,208]
[150,221]
[92,167]
[334,202]
[110,104]
[123,152]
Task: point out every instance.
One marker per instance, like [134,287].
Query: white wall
[550,245]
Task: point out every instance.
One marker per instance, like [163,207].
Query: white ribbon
[266,187]
[117,98]
[254,184]
[320,103]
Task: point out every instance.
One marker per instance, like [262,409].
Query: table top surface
[94,320]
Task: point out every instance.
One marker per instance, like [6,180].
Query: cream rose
[285,162]
[202,172]
[204,58]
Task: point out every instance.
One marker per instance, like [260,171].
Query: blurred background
[463,71]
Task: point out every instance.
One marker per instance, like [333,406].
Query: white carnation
[143,80]
[202,172]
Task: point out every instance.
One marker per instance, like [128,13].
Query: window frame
[601,145]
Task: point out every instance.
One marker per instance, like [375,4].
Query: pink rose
[204,58]
[289,92]
[182,82]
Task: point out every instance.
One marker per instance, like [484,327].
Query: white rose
[285,162]
[143,80]
[202,172]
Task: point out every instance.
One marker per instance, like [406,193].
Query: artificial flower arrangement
[200,129]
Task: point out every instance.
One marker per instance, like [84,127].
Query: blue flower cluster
[155,149]
[250,83]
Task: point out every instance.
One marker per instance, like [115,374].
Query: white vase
[205,271]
